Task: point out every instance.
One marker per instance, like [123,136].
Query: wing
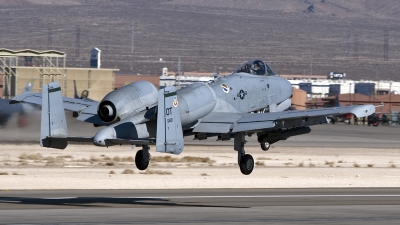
[86,108]
[254,122]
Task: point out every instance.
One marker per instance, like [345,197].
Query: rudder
[169,137]
[53,123]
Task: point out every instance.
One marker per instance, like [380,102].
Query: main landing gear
[245,161]
[142,158]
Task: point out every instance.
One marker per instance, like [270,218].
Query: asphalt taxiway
[202,206]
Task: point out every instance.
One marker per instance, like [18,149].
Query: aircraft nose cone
[286,88]
[100,139]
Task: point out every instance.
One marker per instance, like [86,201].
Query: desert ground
[28,166]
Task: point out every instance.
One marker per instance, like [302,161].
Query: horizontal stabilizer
[28,87]
[86,105]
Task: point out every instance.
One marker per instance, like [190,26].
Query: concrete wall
[98,82]
[123,79]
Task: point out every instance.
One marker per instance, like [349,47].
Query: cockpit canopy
[255,67]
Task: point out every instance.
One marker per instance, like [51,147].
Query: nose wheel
[142,158]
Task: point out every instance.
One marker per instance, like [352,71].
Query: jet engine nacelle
[127,101]
[195,101]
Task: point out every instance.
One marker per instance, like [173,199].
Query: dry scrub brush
[128,171]
[158,172]
[185,159]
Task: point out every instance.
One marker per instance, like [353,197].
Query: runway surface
[202,206]
[215,206]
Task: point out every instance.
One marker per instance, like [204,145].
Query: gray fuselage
[236,93]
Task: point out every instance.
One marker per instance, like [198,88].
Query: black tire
[246,164]
[265,146]
[140,163]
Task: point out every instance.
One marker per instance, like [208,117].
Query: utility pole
[78,41]
[355,47]
[132,42]
[133,29]
[346,47]
[49,41]
[386,46]
[179,73]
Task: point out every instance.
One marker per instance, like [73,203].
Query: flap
[219,128]
[240,127]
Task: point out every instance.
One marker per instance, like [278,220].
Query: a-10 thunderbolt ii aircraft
[250,101]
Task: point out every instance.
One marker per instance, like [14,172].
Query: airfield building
[19,67]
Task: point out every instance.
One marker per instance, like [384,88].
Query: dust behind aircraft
[21,111]
[250,101]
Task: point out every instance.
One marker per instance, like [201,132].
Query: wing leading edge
[251,122]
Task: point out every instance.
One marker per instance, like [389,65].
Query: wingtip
[364,110]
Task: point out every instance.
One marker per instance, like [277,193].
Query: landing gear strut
[245,161]
[142,158]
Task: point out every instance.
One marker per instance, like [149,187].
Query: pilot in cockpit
[257,68]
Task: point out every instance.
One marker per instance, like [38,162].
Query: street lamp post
[349,93]
[351,119]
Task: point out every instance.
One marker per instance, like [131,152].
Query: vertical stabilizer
[28,87]
[53,122]
[75,91]
[169,128]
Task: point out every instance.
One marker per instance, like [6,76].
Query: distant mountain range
[386,9]
[293,36]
